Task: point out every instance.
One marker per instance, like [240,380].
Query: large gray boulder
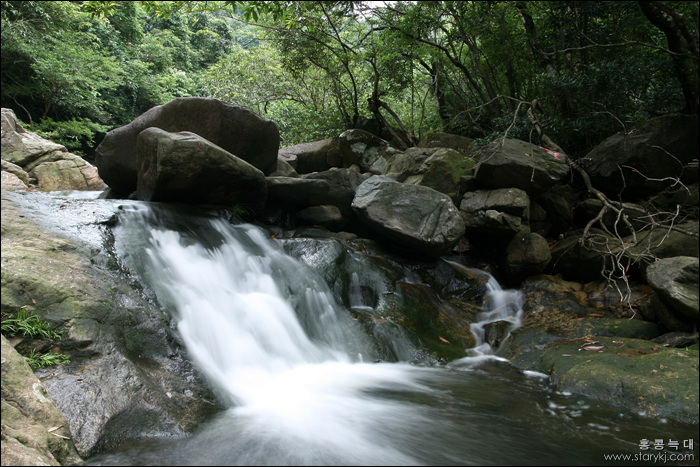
[509,162]
[369,152]
[316,156]
[414,217]
[441,169]
[235,129]
[49,165]
[187,168]
[657,149]
[502,212]
[676,280]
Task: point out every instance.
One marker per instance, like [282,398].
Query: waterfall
[295,371]
[500,305]
[292,367]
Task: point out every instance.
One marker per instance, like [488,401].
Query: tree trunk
[542,60]
[684,47]
[438,92]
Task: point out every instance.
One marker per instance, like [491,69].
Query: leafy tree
[71,73]
[319,67]
[302,104]
[52,65]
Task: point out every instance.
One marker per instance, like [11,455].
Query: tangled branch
[620,250]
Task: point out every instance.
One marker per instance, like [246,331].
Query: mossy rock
[34,432]
[632,373]
[442,327]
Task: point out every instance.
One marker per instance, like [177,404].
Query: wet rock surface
[128,377]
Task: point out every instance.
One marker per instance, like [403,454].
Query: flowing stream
[299,377]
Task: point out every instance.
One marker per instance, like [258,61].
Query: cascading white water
[290,363]
[296,373]
[501,306]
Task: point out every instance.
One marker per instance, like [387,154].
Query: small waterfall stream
[504,306]
[294,368]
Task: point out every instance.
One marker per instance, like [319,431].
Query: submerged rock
[593,353]
[632,373]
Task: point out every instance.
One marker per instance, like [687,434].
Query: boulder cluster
[28,159]
[512,202]
[523,211]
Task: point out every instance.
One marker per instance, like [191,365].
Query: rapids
[300,377]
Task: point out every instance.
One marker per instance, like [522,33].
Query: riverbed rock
[48,165]
[558,218]
[184,167]
[17,171]
[415,217]
[447,140]
[326,215]
[513,163]
[284,169]
[342,185]
[676,279]
[34,432]
[527,254]
[298,192]
[408,320]
[657,149]
[667,242]
[235,129]
[502,212]
[361,148]
[127,378]
[585,260]
[14,177]
[315,156]
[441,169]
[637,215]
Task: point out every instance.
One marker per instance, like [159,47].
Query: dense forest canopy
[73,70]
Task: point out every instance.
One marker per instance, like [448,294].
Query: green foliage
[26,323]
[74,134]
[106,62]
[317,68]
[39,360]
[52,62]
[303,106]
